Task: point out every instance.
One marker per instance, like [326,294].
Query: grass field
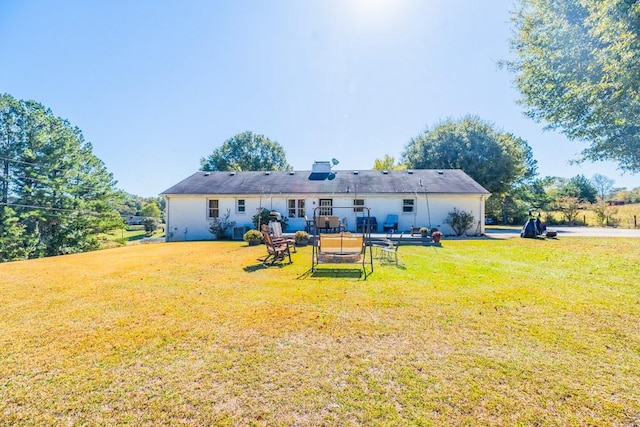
[133,233]
[478,332]
[625,216]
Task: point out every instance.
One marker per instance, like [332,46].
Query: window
[214,211]
[407,205]
[325,207]
[296,208]
[240,206]
[358,204]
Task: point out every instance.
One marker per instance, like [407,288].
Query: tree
[496,160]
[151,210]
[569,207]
[14,243]
[387,163]
[246,152]
[603,185]
[61,194]
[524,197]
[577,67]
[580,188]
[150,225]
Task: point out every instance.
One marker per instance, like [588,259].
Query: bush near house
[221,227]
[460,221]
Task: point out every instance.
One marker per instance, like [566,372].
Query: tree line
[576,65]
[56,196]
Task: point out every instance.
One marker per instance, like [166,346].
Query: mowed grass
[478,332]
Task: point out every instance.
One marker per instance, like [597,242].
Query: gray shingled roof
[450,181]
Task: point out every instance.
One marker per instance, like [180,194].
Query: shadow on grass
[391,263]
[336,273]
[254,268]
[263,266]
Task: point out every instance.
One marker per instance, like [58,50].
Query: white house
[419,197]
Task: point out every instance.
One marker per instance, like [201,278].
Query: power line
[9,159]
[51,208]
[40,164]
[46,181]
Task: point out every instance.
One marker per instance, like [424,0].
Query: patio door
[326,207]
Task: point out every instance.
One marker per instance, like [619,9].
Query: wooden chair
[278,235]
[276,250]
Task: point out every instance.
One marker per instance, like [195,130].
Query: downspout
[167,222]
[415,211]
[426,196]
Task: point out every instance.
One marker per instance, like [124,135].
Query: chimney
[321,167]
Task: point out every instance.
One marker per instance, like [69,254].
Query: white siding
[187,216]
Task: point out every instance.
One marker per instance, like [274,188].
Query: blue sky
[157,85]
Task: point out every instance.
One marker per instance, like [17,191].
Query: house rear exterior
[420,198]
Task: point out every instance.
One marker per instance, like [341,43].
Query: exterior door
[326,207]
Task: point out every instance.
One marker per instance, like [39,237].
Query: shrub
[260,218]
[264,216]
[221,226]
[301,236]
[460,221]
[150,225]
[252,235]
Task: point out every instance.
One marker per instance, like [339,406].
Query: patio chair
[309,225]
[334,223]
[392,249]
[391,223]
[322,224]
[276,250]
[383,243]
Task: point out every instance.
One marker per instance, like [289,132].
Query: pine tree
[62,194]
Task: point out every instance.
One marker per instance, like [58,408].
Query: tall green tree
[61,194]
[577,67]
[387,163]
[151,210]
[14,242]
[11,139]
[496,160]
[246,152]
[579,187]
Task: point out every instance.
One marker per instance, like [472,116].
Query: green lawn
[133,233]
[476,332]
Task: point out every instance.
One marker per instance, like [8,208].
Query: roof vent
[356,172]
